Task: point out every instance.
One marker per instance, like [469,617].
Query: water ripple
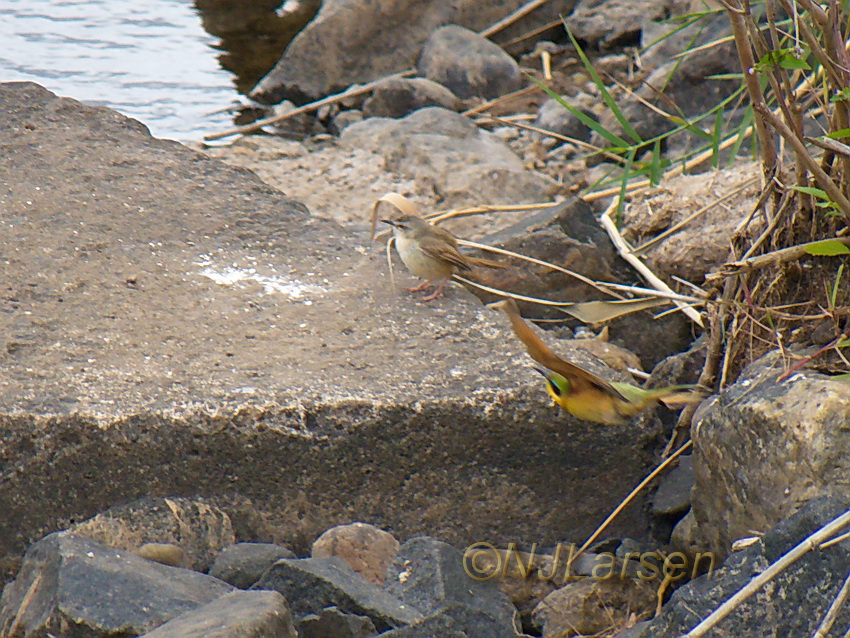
[162,70]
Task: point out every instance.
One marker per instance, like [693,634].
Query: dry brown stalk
[357,89]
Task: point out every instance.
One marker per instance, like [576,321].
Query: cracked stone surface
[170,325]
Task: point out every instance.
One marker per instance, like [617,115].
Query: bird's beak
[389,222]
[543,371]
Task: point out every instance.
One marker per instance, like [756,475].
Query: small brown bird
[582,393]
[431,252]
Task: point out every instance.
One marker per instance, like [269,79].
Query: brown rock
[165,554]
[703,243]
[763,447]
[367,549]
[592,606]
[161,528]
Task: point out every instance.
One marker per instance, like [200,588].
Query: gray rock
[763,447]
[429,575]
[673,496]
[444,150]
[239,614]
[196,527]
[552,116]
[311,584]
[439,624]
[792,604]
[686,538]
[633,631]
[242,564]
[566,235]
[661,40]
[357,42]
[397,97]
[608,23]
[344,119]
[98,590]
[468,64]
[167,382]
[332,623]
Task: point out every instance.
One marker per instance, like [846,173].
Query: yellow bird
[582,393]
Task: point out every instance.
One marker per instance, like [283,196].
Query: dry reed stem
[502,98]
[357,89]
[833,611]
[507,21]
[625,252]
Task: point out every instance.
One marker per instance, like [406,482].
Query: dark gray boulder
[71,585]
[429,575]
[311,584]
[242,564]
[468,64]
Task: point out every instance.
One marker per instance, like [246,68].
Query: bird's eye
[554,387]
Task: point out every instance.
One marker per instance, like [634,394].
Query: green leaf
[827,248]
[725,76]
[786,58]
[627,173]
[834,295]
[845,132]
[842,377]
[814,192]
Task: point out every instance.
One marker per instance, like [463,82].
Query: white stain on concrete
[271,284]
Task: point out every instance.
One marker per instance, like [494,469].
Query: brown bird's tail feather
[681,395]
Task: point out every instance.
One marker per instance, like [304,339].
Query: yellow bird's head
[556,385]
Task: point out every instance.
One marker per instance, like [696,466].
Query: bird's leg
[438,292]
[425,284]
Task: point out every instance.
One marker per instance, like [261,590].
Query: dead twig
[833,611]
[357,89]
[507,21]
[775,258]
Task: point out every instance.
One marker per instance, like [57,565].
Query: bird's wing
[444,251]
[579,378]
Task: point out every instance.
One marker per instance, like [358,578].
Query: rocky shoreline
[219,415]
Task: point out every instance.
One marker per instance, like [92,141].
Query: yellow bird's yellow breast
[590,406]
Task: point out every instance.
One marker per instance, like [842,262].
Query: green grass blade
[603,91]
[615,140]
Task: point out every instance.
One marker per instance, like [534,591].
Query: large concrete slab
[306,387]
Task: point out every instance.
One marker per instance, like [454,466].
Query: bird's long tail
[676,396]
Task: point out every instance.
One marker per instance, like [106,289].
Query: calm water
[150,60]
